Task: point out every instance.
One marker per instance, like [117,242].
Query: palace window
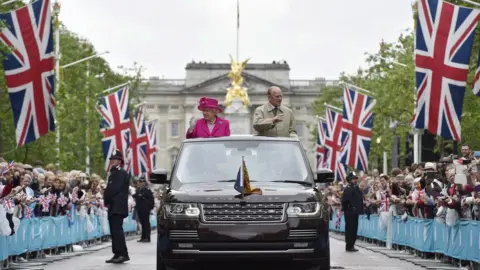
[174,129]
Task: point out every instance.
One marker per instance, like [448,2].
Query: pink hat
[208,103]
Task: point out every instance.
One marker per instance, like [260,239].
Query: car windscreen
[266,161]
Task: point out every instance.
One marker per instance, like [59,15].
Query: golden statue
[236,91]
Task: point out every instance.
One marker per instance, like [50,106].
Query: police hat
[142,179]
[351,176]
[117,155]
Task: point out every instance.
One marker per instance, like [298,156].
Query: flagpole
[56,11]
[238,29]
[332,107]
[115,87]
[321,118]
[358,88]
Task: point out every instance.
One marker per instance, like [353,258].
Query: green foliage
[73,116]
[393,87]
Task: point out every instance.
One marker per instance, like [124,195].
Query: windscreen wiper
[309,184]
[232,180]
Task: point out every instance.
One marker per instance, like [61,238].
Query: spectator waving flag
[321,129]
[356,128]
[115,124]
[152,145]
[443,45]
[333,145]
[137,150]
[29,69]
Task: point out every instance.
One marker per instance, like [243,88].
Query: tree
[71,109]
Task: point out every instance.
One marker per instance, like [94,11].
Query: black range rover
[203,218]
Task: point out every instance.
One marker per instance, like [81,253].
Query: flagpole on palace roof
[238,29]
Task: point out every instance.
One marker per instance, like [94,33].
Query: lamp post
[58,80]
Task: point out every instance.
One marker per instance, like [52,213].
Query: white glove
[192,123]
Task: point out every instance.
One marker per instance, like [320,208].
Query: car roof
[242,138]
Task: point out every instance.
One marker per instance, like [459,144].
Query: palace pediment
[220,84]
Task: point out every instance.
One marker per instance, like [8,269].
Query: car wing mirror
[159,177]
[325,176]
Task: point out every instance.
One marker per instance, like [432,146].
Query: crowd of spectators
[34,191]
[448,190]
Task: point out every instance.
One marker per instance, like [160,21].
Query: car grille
[302,234]
[237,213]
[183,234]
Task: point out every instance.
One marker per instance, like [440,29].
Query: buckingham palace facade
[172,102]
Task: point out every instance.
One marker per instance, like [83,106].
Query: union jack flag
[321,129]
[443,45]
[8,204]
[152,145]
[29,212]
[10,166]
[333,145]
[115,124]
[29,69]
[45,202]
[476,82]
[137,151]
[356,128]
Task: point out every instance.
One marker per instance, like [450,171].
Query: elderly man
[273,119]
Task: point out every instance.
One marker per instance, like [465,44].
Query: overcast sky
[318,38]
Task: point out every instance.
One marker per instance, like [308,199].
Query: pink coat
[221,129]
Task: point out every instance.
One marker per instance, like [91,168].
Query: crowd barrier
[36,234]
[461,242]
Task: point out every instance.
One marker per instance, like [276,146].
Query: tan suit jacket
[263,122]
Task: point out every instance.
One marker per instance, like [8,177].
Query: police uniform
[116,200]
[352,205]
[144,203]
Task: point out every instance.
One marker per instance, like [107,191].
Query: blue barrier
[49,232]
[426,235]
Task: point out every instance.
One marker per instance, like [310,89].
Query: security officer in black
[144,203]
[352,206]
[116,200]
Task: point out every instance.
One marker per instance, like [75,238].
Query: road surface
[143,257]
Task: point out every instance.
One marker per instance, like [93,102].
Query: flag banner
[29,69]
[443,44]
[138,146]
[115,124]
[476,82]
[152,145]
[321,129]
[357,124]
[242,183]
[333,145]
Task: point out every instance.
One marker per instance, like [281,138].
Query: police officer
[144,203]
[116,200]
[352,205]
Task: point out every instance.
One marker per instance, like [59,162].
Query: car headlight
[309,209]
[189,210]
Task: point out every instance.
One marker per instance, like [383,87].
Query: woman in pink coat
[210,125]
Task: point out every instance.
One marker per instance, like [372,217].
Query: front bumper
[190,241]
